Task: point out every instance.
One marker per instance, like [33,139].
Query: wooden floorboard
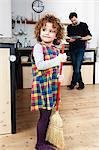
[79,110]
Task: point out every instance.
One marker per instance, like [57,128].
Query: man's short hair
[73,14]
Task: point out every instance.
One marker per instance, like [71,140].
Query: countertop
[25,48]
[30,48]
[7,40]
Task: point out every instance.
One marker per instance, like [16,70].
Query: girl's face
[48,33]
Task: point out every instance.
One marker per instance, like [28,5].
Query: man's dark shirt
[78,30]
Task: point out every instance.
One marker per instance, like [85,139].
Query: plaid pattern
[45,83]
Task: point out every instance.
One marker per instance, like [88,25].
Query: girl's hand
[62,57]
[61,78]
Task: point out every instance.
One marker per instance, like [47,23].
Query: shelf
[26,64]
[23,22]
[33,22]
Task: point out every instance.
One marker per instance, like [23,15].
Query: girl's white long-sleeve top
[39,59]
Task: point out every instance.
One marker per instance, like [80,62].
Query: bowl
[24,59]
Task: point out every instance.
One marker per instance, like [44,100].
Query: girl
[45,68]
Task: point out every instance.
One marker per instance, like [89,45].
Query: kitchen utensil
[21,30]
[25,33]
[24,59]
[15,32]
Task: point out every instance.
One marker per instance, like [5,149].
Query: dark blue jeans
[77,56]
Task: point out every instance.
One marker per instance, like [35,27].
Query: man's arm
[87,35]
[86,38]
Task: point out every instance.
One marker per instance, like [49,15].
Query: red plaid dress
[45,82]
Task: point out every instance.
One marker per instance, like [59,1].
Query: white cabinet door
[97,72]
[5,91]
[27,76]
[86,70]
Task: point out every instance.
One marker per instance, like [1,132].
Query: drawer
[27,76]
[87,74]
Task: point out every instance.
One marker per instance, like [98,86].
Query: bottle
[29,43]
[18,45]
[25,42]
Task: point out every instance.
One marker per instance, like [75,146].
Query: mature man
[78,34]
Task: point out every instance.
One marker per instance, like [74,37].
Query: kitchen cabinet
[97,72]
[5,96]
[21,74]
[88,69]
[7,87]
[27,76]
[87,74]
[25,70]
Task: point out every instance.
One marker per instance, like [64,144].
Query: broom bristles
[55,131]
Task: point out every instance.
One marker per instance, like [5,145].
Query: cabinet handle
[12,58]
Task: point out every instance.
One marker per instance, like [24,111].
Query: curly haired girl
[45,69]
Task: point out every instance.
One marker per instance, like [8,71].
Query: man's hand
[71,40]
[86,38]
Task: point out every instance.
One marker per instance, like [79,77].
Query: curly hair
[56,24]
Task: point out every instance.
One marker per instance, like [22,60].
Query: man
[78,34]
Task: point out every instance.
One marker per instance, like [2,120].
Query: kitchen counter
[67,48]
[7,40]
[24,69]
[24,48]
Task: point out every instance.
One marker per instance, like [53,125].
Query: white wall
[86,10]
[63,8]
[5,18]
[96,21]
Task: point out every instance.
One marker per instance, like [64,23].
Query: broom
[55,129]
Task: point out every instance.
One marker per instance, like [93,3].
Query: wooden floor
[79,111]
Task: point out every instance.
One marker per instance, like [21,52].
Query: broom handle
[59,83]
